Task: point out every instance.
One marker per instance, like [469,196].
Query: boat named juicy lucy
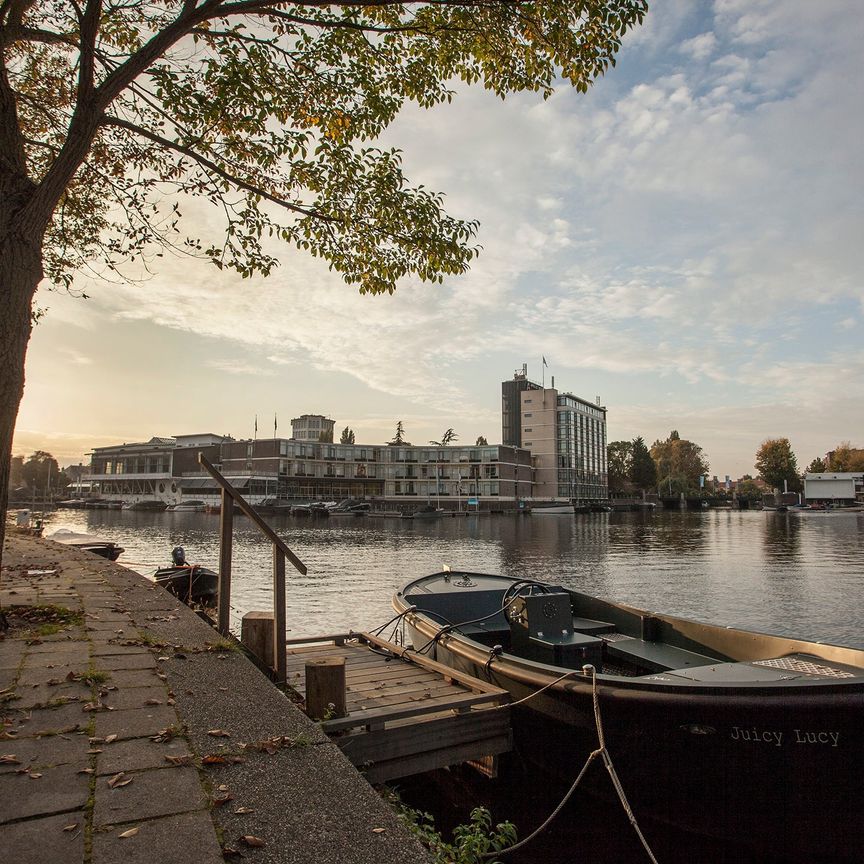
[724,732]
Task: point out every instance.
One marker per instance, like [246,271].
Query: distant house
[839,488]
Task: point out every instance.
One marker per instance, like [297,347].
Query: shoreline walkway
[131,731]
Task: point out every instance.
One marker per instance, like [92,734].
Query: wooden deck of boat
[406,713]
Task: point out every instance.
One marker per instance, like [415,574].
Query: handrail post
[280,660]
[226,537]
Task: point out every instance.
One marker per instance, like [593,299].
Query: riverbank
[132,731]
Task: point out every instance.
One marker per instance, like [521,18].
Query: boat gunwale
[538,674]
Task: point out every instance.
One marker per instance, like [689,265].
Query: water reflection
[792,573]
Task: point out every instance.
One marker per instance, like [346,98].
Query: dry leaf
[120,779]
[109,739]
[35,775]
[86,771]
[213,759]
[224,798]
[72,827]
[379,830]
[242,810]
[219,733]
[222,788]
[180,760]
[9,759]
[153,702]
[251,840]
[130,833]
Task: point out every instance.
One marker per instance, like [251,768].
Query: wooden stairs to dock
[406,714]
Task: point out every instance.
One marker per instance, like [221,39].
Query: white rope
[602,751]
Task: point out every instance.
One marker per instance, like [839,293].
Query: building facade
[161,469]
[565,434]
[312,427]
[841,489]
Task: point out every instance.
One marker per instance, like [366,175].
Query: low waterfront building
[313,427]
[840,488]
[161,469]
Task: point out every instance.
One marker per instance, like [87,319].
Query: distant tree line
[675,465]
[37,476]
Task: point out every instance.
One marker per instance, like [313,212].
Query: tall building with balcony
[565,434]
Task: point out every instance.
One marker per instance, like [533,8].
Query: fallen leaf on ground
[130,833]
[153,702]
[223,798]
[35,775]
[71,827]
[9,759]
[379,830]
[253,841]
[242,810]
[110,739]
[219,733]
[180,760]
[120,779]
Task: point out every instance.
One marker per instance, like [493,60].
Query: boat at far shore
[722,732]
[551,508]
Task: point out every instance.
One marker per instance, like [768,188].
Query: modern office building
[566,436]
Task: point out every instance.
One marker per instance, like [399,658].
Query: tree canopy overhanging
[112,112]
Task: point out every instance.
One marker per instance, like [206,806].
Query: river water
[795,574]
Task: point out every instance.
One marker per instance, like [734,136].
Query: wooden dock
[406,714]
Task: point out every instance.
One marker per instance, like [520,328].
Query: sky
[685,242]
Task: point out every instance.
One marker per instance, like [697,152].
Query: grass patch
[474,842]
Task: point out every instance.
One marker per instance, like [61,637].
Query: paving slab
[134,678]
[137,754]
[38,753]
[151,793]
[135,722]
[59,789]
[49,721]
[135,697]
[184,839]
[116,662]
[45,840]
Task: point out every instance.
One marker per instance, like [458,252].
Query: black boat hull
[194,583]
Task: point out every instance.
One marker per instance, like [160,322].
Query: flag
[274,426]
[544,362]
[256,425]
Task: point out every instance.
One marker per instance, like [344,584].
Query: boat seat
[590,627]
[467,605]
[655,656]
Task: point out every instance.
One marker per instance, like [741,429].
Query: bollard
[325,688]
[256,633]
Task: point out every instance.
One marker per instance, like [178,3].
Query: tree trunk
[20,274]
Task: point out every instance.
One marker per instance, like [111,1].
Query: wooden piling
[257,634]
[325,688]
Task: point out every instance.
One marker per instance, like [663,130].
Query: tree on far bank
[817,466]
[481,442]
[777,465]
[347,436]
[619,462]
[42,475]
[111,114]
[844,457]
[679,462]
[643,471]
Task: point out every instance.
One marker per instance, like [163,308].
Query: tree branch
[190,153]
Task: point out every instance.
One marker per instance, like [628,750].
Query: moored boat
[552,508]
[192,583]
[88,543]
[720,731]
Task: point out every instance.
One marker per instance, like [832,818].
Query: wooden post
[256,633]
[280,660]
[325,688]
[226,537]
